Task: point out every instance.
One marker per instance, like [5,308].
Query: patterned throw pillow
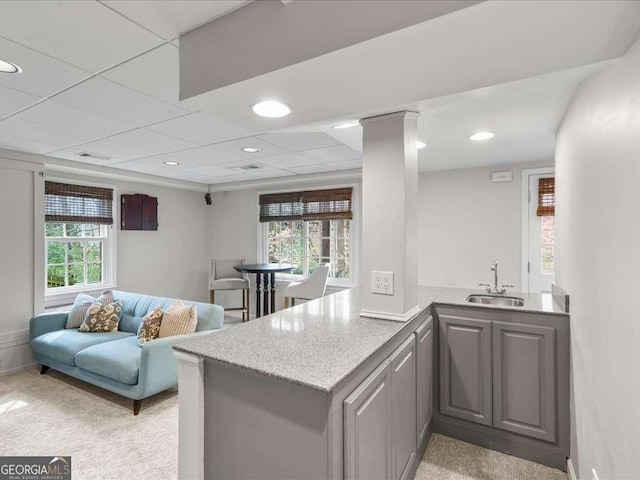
[102,318]
[178,320]
[150,326]
[82,304]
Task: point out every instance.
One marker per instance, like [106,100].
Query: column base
[396,317]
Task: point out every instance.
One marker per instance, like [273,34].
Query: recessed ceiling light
[420,144]
[8,67]
[478,136]
[251,149]
[172,164]
[347,125]
[271,109]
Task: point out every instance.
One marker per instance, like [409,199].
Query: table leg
[266,294]
[258,296]
[272,281]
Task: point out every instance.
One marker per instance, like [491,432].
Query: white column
[190,417]
[389,214]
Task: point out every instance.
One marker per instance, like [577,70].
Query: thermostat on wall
[501,176]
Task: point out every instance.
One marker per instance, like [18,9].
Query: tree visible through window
[548,243]
[75,254]
[307,244]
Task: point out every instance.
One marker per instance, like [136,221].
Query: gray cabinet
[367,423]
[524,381]
[465,368]
[424,378]
[403,408]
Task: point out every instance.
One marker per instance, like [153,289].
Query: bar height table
[265,283]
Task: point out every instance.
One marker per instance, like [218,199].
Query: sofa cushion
[118,360]
[82,304]
[62,345]
[102,318]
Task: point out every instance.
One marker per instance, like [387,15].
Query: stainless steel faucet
[495,290]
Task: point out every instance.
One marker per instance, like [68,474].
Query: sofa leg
[43,369]
[136,406]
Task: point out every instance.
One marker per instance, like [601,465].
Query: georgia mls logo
[35,468]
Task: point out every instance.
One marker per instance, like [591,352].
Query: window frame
[61,295]
[354,240]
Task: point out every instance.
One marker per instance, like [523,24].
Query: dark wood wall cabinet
[138,212]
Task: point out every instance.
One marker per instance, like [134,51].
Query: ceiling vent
[251,166]
[92,155]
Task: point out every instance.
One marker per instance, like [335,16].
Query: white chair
[310,288]
[225,277]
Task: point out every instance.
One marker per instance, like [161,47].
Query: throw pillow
[150,326]
[82,304]
[178,320]
[102,318]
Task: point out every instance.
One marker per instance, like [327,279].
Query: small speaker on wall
[207,198]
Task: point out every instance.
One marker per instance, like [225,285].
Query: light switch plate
[382,283]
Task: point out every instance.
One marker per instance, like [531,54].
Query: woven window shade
[66,203]
[331,204]
[546,197]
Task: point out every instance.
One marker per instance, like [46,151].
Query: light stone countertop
[319,343]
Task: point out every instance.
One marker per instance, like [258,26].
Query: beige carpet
[54,414]
[449,459]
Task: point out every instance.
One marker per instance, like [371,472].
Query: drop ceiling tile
[300,141]
[108,99]
[312,169]
[73,119]
[339,153]
[24,145]
[201,128]
[213,171]
[271,173]
[13,100]
[150,142]
[352,164]
[232,151]
[41,75]
[155,73]
[37,132]
[86,34]
[288,160]
[243,177]
[170,18]
[262,172]
[157,161]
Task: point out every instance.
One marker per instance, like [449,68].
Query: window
[308,229]
[547,210]
[78,245]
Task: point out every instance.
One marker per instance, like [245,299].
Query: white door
[539,265]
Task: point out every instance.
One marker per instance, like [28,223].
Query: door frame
[524,215]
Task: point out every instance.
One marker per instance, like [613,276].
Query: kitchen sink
[500,300]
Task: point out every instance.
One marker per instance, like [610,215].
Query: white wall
[16,263]
[465,222]
[598,264]
[172,261]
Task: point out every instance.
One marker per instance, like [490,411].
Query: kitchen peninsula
[317,391]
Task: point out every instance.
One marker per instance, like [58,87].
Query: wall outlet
[382,282]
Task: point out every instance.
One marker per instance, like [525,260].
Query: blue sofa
[113,360]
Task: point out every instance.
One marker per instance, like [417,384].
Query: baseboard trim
[570,470]
[19,369]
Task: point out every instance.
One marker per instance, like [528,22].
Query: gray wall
[170,262]
[598,262]
[466,221]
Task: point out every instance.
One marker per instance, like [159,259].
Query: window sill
[68,296]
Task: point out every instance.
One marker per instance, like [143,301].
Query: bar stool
[225,277]
[310,288]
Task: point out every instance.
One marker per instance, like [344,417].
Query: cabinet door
[465,368]
[424,377]
[367,417]
[149,213]
[403,408]
[524,383]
